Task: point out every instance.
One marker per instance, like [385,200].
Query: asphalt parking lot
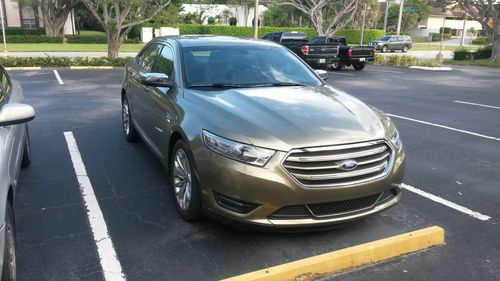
[449,122]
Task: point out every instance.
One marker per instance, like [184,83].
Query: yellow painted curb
[90,67]
[351,257]
[23,68]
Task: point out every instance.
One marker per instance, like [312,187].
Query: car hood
[283,118]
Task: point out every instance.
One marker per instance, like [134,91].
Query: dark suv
[392,43]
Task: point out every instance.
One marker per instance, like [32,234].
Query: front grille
[326,166]
[345,206]
[291,212]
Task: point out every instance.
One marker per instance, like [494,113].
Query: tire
[338,66]
[385,49]
[26,161]
[358,67]
[9,254]
[184,183]
[405,49]
[127,124]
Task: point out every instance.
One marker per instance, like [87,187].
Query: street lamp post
[363,26]
[400,16]
[386,14]
[256,20]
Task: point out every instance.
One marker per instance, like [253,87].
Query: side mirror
[323,74]
[156,79]
[16,113]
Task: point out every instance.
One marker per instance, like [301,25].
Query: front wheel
[385,49]
[358,67]
[185,185]
[26,161]
[405,49]
[9,253]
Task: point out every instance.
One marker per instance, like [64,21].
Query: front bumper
[271,188]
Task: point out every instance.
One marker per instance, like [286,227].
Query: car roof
[212,40]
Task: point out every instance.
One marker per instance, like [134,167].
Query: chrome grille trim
[320,166]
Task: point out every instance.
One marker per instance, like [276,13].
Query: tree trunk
[53,30]
[495,50]
[114,43]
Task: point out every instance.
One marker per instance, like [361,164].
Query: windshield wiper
[284,84]
[218,85]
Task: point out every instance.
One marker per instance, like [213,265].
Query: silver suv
[14,153]
[392,43]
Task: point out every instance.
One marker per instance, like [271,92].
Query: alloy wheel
[182,179]
[126,117]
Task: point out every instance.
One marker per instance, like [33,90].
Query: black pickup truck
[347,56]
[314,54]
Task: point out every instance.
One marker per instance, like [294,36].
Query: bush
[465,54]
[87,39]
[135,32]
[481,41]
[24,31]
[353,35]
[447,30]
[32,39]
[239,31]
[61,61]
[437,36]
[403,61]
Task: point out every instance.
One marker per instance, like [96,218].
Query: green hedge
[481,41]
[403,61]
[32,39]
[466,54]
[61,61]
[24,31]
[87,39]
[353,35]
[239,31]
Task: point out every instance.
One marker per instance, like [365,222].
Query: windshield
[244,66]
[385,38]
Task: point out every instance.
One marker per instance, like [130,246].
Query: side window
[267,37]
[4,85]
[165,62]
[276,37]
[148,57]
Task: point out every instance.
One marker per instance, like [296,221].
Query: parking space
[151,242]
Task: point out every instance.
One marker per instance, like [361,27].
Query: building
[453,19]
[25,15]
[243,13]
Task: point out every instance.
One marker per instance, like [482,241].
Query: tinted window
[268,36]
[385,38]
[276,37]
[148,57]
[247,65]
[165,62]
[4,85]
[319,40]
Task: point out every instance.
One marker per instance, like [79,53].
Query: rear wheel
[26,161]
[405,49]
[185,185]
[358,67]
[385,49]
[9,253]
[128,126]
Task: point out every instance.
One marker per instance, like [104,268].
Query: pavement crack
[52,239]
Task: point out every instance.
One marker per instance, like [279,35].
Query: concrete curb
[440,68]
[23,68]
[350,258]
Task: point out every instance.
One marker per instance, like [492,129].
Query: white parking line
[388,71]
[447,203]
[110,264]
[58,77]
[445,127]
[477,104]
[340,73]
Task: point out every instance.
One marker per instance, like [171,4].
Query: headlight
[238,151]
[396,140]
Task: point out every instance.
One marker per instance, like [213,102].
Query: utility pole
[256,20]
[400,16]
[462,40]
[439,56]
[386,14]
[3,27]
[363,26]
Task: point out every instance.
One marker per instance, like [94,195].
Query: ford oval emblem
[348,165]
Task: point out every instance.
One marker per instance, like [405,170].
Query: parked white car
[14,153]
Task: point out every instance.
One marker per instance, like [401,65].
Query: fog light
[234,205]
